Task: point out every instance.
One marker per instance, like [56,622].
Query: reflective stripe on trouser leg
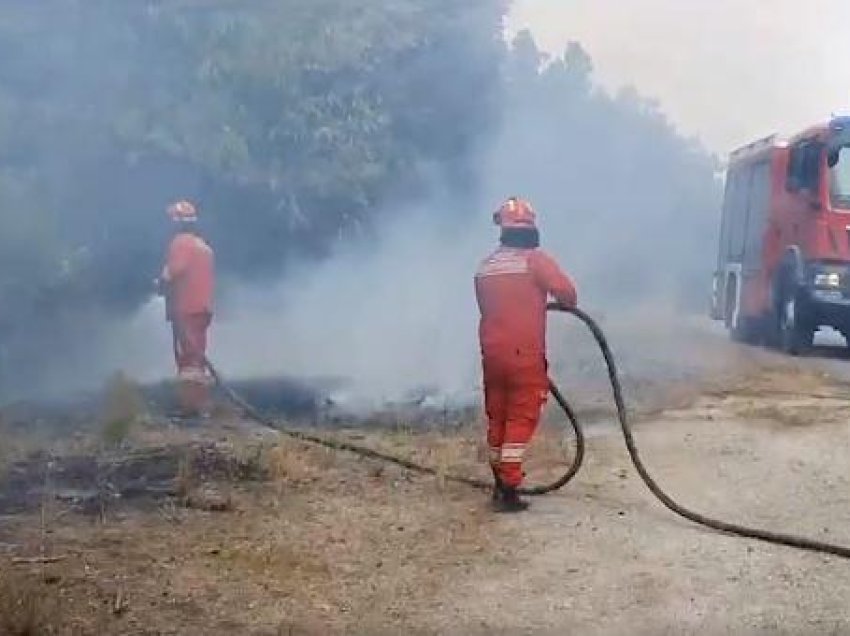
[194,374]
[510,464]
[512,452]
[524,405]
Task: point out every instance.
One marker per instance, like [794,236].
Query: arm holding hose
[551,277]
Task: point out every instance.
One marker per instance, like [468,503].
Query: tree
[291,122]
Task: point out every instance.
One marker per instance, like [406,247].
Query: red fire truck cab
[783,268]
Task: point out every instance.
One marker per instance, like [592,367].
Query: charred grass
[312,541]
[27,606]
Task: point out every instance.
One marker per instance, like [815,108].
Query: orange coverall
[189,273]
[512,287]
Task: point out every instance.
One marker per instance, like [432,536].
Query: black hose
[779,538]
[577,459]
[371,453]
[769,536]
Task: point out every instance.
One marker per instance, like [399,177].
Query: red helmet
[515,212]
[183,211]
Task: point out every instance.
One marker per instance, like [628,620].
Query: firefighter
[187,282]
[512,287]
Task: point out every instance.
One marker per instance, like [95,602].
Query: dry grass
[8,453]
[184,480]
[289,462]
[123,408]
[792,413]
[332,544]
[790,381]
[777,414]
[26,607]
[364,554]
[550,453]
[17,445]
[788,397]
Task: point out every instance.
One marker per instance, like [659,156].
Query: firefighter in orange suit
[512,287]
[187,282]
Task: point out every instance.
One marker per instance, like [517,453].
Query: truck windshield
[839,177]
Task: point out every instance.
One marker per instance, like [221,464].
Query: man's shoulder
[190,242]
[181,239]
[539,256]
[504,261]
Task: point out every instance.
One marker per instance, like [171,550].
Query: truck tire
[795,334]
[748,330]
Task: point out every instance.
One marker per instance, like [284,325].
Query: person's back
[190,266]
[512,287]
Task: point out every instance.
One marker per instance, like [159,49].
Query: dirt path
[605,558]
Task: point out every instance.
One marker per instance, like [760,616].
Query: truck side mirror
[832,158]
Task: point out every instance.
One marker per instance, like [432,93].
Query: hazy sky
[727,70]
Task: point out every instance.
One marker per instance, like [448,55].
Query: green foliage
[291,122]
[308,109]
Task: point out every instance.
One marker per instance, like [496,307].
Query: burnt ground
[129,524]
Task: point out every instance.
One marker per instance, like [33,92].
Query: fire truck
[783,267]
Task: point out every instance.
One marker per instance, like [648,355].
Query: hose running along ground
[768,536]
[371,453]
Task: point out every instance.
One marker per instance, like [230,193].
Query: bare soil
[262,535]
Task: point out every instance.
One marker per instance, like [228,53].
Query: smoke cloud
[627,206]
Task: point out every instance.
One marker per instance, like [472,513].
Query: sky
[728,71]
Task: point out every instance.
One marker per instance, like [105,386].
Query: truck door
[736,214]
[755,290]
[758,198]
[732,240]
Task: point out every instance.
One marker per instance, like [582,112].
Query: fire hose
[768,536]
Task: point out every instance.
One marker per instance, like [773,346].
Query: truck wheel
[795,335]
[748,331]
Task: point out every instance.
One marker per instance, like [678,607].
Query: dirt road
[328,544]
[604,558]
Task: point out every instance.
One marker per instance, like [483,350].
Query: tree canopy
[290,122]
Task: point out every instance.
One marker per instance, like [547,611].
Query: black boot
[510,501]
[497,487]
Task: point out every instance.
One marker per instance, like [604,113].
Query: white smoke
[391,318]
[626,206]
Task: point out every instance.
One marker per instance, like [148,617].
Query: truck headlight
[832,279]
